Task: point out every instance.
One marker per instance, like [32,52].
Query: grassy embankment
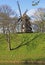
[30,46]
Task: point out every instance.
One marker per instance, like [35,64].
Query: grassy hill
[27,46]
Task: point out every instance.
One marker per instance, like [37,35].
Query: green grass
[32,47]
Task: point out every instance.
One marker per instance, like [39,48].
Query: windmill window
[23,26]
[23,30]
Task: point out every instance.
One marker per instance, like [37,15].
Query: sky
[24,4]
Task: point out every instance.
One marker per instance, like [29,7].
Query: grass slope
[27,46]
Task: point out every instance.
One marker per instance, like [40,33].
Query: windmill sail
[19,8]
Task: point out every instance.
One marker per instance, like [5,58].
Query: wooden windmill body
[25,21]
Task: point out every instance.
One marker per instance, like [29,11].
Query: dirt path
[41,62]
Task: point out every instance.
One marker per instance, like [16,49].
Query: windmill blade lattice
[19,8]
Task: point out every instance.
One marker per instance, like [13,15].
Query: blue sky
[24,4]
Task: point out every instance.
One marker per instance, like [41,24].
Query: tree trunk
[3,30]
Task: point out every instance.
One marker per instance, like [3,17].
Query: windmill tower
[25,20]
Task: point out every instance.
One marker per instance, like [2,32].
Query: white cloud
[31,12]
[17,11]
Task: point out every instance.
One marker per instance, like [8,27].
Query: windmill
[25,20]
